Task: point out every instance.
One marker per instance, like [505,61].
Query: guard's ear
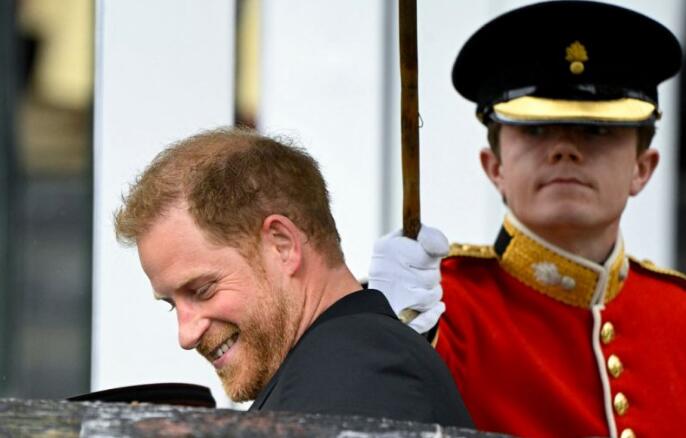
[282,242]
[646,163]
[490,163]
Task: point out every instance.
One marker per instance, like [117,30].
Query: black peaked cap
[525,52]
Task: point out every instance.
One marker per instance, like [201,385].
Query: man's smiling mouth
[224,347]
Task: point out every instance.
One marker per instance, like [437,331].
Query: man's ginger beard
[266,336]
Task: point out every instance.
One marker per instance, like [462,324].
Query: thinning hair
[231,179]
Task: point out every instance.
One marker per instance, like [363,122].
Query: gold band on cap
[532,109]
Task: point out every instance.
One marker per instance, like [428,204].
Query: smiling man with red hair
[234,231]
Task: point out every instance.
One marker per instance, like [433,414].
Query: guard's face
[568,178]
[226,306]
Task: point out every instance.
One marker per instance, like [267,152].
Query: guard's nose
[565,147]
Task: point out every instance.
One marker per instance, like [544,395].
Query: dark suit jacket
[358,359]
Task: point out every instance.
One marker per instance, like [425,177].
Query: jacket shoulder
[473,251]
[671,275]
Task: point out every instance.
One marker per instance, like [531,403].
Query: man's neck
[322,288]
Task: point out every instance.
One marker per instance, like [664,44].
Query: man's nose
[191,326]
[565,147]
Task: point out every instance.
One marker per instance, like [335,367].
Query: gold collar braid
[557,273]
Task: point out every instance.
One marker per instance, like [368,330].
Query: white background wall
[164,71]
[323,84]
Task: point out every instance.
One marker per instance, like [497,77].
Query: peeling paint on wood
[57,419]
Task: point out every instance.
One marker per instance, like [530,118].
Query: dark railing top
[49,418]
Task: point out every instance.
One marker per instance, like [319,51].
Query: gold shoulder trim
[650,266]
[465,250]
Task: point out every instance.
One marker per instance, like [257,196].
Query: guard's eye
[597,131]
[534,130]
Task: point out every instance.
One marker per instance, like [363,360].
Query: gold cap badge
[576,55]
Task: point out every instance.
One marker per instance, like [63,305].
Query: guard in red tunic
[554,330]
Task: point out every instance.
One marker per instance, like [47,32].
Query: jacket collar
[557,273]
[362,301]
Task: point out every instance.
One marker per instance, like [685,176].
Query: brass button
[614,366]
[576,67]
[621,404]
[607,333]
[627,433]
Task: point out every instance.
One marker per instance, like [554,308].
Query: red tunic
[526,338]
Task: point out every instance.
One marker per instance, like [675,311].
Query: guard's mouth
[565,181]
[224,347]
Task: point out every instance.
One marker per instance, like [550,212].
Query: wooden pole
[409,125]
[409,116]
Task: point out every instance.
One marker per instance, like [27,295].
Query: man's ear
[282,239]
[490,163]
[646,163]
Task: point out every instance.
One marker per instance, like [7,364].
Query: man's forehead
[170,248]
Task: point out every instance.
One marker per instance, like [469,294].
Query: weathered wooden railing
[53,419]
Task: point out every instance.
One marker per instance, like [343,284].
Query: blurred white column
[164,70]
[649,222]
[323,79]
[456,195]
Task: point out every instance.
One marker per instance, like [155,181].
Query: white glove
[408,273]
